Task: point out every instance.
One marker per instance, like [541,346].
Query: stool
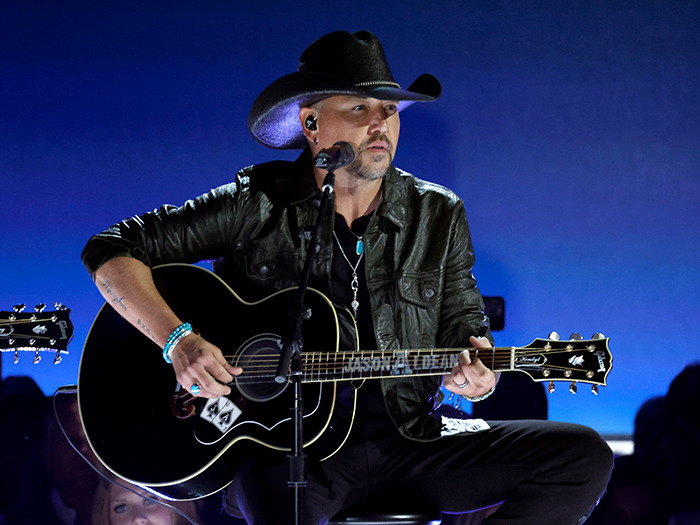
[411,518]
[387,519]
[394,504]
[395,510]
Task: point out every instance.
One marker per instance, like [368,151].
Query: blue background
[570,129]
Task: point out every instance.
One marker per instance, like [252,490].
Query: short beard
[373,171]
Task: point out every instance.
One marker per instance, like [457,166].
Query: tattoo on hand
[107,285]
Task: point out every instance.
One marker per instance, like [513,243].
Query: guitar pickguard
[220,412]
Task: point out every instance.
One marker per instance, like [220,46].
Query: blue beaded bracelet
[174,338]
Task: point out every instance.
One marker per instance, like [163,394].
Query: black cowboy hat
[339,63]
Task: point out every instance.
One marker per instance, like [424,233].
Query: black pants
[547,473]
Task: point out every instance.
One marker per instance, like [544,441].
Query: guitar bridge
[182,404]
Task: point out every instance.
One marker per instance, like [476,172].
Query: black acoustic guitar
[146,429]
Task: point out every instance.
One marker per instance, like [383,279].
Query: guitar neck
[543,360]
[376,364]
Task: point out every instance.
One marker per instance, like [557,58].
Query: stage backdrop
[571,131]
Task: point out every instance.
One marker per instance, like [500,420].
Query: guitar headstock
[36,331]
[576,360]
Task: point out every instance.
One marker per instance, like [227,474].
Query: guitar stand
[290,364]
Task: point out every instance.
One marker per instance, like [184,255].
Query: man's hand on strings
[470,377]
[198,362]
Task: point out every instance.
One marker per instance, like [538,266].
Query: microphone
[338,155]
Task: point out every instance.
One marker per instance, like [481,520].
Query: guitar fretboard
[373,364]
[369,364]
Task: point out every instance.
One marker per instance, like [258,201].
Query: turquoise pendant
[359,247]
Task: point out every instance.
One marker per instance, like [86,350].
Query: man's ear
[309,124]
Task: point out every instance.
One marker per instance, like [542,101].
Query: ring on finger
[195,389]
[463,385]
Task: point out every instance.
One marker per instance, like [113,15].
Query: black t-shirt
[371,410]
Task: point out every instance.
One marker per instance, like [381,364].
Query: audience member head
[117,502]
[683,396]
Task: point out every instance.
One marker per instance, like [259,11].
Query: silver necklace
[355,283]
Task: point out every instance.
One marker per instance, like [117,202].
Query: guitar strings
[4,322]
[262,367]
[33,336]
[372,354]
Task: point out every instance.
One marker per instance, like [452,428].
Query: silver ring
[194,389]
[463,385]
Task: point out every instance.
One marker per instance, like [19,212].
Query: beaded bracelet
[476,399]
[174,338]
[455,400]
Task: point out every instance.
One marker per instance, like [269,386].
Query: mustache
[379,137]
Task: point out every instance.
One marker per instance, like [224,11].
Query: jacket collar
[395,197]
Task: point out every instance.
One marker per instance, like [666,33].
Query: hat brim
[274,116]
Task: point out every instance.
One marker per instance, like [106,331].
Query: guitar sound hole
[258,358]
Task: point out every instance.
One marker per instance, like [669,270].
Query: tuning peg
[40,307]
[594,390]
[598,335]
[59,306]
[550,387]
[37,357]
[58,358]
[554,336]
[15,358]
[573,388]
[575,337]
[19,307]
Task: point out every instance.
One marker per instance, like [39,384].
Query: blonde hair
[101,504]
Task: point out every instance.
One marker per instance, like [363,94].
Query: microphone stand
[290,364]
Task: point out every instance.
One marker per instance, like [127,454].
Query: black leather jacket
[419,260]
